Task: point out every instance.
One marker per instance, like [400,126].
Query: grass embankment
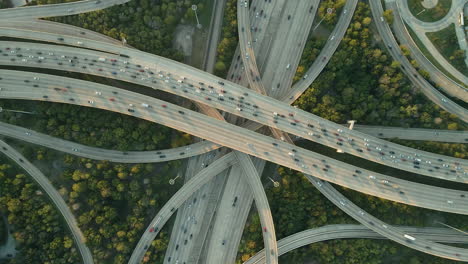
[432,14]
[446,42]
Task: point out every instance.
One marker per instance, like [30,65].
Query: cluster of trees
[335,6]
[95,127]
[115,202]
[3,231]
[363,83]
[112,202]
[40,233]
[146,25]
[229,39]
[446,42]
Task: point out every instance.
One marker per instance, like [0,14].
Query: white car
[98,93]
[75,149]
[288,66]
[372,177]
[381,19]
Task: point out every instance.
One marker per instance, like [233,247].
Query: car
[145,105]
[305,76]
[264,229]
[223,243]
[75,149]
[131,110]
[146,247]
[289,17]
[372,177]
[98,93]
[332,38]
[61,39]
[324,58]
[220,82]
[382,19]
[91,101]
[288,66]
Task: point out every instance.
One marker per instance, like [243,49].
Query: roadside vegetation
[429,56]
[37,226]
[3,230]
[429,15]
[112,202]
[93,127]
[446,43]
[146,25]
[229,40]
[362,82]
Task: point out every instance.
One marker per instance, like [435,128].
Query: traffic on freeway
[256,107]
[255,144]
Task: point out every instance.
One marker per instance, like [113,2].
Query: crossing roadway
[261,109]
[54,195]
[185,120]
[223,133]
[65,9]
[106,154]
[330,232]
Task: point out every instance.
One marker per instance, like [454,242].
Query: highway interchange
[173,113]
[192,77]
[262,109]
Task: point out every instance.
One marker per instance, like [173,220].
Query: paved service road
[54,196]
[256,107]
[254,144]
[106,154]
[420,28]
[65,9]
[404,37]
[405,65]
[329,232]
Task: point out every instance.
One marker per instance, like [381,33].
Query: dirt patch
[183,39]
[429,3]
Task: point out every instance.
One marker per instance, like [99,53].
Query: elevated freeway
[69,147]
[177,119]
[254,144]
[330,232]
[54,10]
[260,109]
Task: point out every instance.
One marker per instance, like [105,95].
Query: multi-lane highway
[54,195]
[257,148]
[324,57]
[223,133]
[413,75]
[176,200]
[261,109]
[106,154]
[65,9]
[436,249]
[404,37]
[330,232]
